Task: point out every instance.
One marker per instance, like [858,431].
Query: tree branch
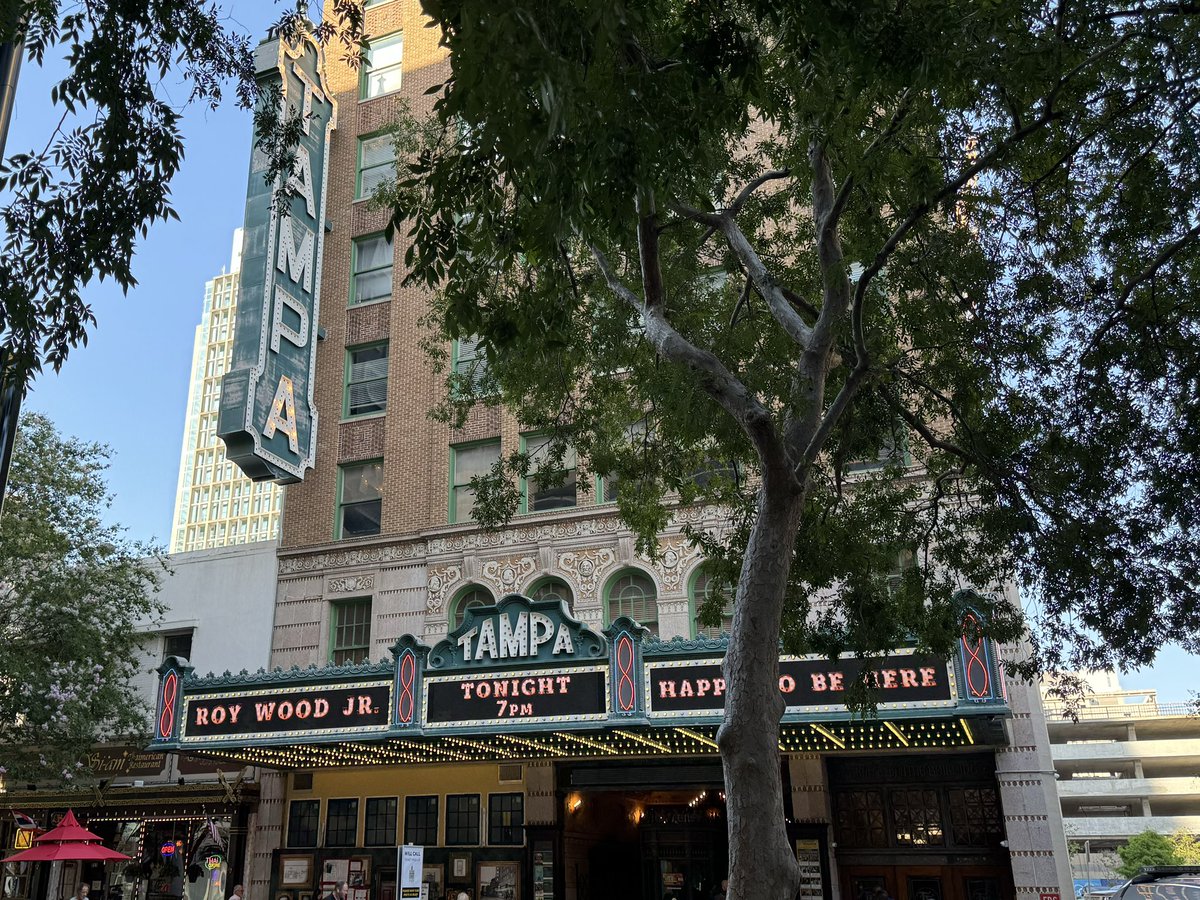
[764,282]
[744,194]
[1165,255]
[721,384]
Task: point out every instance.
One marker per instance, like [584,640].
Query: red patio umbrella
[69,840]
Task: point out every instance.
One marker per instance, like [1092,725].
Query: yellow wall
[408,780]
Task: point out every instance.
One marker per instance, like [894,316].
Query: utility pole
[12,378]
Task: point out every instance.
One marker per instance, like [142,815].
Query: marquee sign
[526,665]
[685,688]
[298,711]
[268,416]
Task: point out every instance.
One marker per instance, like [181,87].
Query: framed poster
[295,871]
[359,874]
[460,868]
[498,880]
[434,875]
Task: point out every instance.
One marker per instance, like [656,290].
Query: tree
[907,282]
[1146,849]
[74,591]
[78,204]
[1186,848]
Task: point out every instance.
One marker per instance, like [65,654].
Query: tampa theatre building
[535,707]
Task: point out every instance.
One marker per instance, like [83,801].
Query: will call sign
[280,712]
[903,678]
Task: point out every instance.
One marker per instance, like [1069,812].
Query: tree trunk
[762,865]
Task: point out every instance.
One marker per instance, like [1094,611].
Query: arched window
[702,588]
[632,594]
[472,596]
[552,589]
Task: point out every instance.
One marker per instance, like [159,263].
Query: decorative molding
[675,558]
[681,644]
[441,580]
[311,674]
[357,556]
[673,607]
[351,584]
[507,573]
[587,567]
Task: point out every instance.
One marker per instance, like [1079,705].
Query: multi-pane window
[635,434]
[633,595]
[552,589]
[351,641]
[702,589]
[918,818]
[506,818]
[376,163]
[860,819]
[462,819]
[421,821]
[303,818]
[366,380]
[360,506]
[381,66]
[178,644]
[380,826]
[541,497]
[371,269]
[470,367]
[341,823]
[975,819]
[466,463]
[476,596]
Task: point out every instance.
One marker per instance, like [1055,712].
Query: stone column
[265,832]
[1037,844]
[810,802]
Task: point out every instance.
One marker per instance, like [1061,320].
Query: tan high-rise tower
[215,504]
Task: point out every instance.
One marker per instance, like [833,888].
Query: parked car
[1162,883]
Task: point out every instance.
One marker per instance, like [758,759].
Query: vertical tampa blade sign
[268,417]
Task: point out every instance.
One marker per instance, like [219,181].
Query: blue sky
[128,387]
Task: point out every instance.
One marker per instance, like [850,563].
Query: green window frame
[606,485]
[350,631]
[631,592]
[552,588]
[360,499]
[371,262]
[467,461]
[562,496]
[376,163]
[469,364]
[382,66]
[698,591]
[366,380]
[371,4]
[472,595]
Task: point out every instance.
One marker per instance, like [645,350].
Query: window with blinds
[366,380]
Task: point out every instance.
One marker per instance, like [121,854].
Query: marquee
[523,678]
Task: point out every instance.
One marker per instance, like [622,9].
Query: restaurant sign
[268,417]
[529,665]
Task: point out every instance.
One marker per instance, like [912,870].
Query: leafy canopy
[773,239]
[73,594]
[1146,849]
[75,207]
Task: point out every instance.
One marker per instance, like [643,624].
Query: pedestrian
[720,892]
[340,891]
[82,891]
[239,892]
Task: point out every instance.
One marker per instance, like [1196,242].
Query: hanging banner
[268,416]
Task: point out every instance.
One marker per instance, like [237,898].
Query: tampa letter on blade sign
[268,419]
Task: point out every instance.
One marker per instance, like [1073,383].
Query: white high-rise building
[215,504]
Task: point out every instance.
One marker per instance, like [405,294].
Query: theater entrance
[635,833]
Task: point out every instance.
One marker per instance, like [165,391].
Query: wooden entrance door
[920,882]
